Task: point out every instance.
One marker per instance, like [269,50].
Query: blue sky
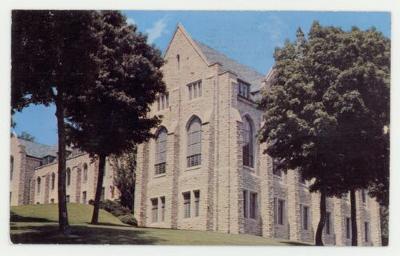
[246,36]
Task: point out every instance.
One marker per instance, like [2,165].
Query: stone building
[206,171]
[34,175]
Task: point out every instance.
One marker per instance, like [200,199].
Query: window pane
[348,228]
[247,133]
[275,211]
[328,223]
[196,203]
[305,217]
[162,208]
[200,92]
[245,203]
[281,208]
[253,205]
[186,205]
[194,143]
[154,210]
[366,230]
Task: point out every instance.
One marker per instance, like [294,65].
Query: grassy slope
[47,233]
[35,225]
[77,213]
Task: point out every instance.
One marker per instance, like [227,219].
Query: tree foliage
[124,177]
[52,59]
[327,106]
[111,116]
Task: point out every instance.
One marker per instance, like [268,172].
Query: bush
[128,219]
[115,208]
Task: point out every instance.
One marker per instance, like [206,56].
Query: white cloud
[131,21]
[157,30]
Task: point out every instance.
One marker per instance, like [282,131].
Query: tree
[52,59]
[326,107]
[110,117]
[124,177]
[26,136]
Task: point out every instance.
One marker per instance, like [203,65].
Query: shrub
[115,208]
[128,219]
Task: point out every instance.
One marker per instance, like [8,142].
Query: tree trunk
[100,177]
[353,205]
[322,216]
[62,202]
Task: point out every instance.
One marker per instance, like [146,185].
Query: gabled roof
[211,56]
[38,150]
[244,72]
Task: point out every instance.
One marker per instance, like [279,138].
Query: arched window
[38,184]
[248,143]
[194,142]
[161,151]
[85,173]
[11,167]
[68,177]
[53,180]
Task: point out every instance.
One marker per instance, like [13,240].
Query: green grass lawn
[77,214]
[35,224]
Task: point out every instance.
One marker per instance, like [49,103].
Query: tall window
[328,223]
[253,205]
[11,167]
[302,180]
[348,228]
[84,197]
[38,184]
[163,101]
[53,180]
[244,89]
[68,198]
[275,170]
[162,208]
[304,212]
[279,211]
[154,209]
[194,90]
[248,146]
[68,177]
[186,205]
[196,203]
[161,152]
[363,196]
[366,231]
[85,173]
[194,143]
[245,203]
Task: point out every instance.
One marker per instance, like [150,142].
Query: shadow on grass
[49,234]
[18,218]
[294,243]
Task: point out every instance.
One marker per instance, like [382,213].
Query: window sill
[160,175]
[250,219]
[193,168]
[248,168]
